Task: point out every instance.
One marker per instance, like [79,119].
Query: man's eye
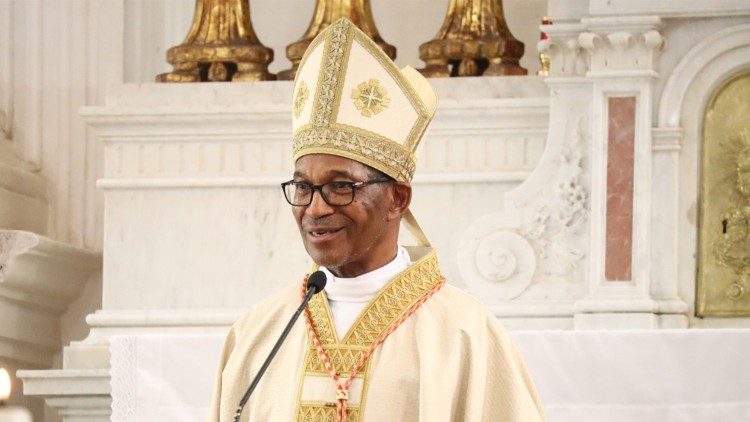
[303,187]
[340,186]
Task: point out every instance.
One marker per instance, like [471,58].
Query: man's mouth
[322,233]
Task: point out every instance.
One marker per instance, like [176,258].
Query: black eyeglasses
[336,194]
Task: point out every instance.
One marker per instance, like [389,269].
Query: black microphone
[315,283]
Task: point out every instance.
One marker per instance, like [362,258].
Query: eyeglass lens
[334,193]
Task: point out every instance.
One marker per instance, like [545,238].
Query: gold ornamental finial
[221,46]
[473,41]
[326,13]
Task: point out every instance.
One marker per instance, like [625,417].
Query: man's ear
[400,200]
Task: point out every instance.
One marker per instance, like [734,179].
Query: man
[387,340]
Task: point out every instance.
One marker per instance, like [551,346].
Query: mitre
[351,100]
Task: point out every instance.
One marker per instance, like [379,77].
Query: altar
[596,204]
[614,376]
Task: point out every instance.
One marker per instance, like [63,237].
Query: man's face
[348,239]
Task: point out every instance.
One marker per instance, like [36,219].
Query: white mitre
[351,100]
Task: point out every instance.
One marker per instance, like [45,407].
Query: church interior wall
[56,57]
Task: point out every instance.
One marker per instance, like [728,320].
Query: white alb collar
[364,287]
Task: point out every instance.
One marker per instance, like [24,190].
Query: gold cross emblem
[370,98]
[299,98]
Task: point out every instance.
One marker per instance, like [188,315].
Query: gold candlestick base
[474,40]
[221,46]
[327,12]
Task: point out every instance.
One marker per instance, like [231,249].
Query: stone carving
[500,254]
[565,55]
[622,50]
[503,261]
[505,256]
[559,213]
[13,243]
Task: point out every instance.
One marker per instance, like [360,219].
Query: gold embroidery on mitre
[358,144]
[370,97]
[394,157]
[396,298]
[299,98]
[335,53]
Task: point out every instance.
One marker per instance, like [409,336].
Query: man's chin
[324,259]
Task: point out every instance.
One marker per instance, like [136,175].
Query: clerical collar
[364,287]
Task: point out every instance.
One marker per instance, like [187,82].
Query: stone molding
[76,395]
[39,278]
[669,8]
[567,58]
[666,139]
[619,47]
[712,60]
[622,46]
[248,145]
[566,10]
[23,192]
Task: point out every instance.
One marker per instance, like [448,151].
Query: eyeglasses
[336,194]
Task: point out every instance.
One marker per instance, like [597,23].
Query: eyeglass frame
[319,188]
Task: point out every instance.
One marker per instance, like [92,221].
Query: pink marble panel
[620,160]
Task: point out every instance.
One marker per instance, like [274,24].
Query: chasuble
[448,361]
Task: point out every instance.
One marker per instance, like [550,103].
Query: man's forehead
[328,164]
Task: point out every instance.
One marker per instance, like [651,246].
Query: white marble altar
[581,376]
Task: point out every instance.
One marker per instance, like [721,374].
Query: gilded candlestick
[329,11]
[474,40]
[221,46]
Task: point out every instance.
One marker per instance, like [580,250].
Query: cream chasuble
[449,361]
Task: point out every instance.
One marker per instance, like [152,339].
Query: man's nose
[318,207]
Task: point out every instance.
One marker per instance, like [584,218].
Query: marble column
[623,55]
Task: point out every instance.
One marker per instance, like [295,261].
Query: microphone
[315,283]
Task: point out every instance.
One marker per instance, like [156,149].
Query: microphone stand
[311,290]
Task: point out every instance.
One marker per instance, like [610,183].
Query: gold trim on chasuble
[392,302]
[323,135]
